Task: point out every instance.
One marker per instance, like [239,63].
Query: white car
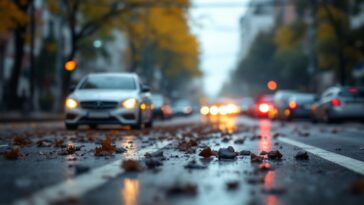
[109,98]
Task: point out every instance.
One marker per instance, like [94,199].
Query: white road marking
[347,162]
[82,184]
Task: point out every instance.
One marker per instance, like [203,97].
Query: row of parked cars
[334,104]
[118,99]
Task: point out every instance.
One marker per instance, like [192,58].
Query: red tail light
[353,90]
[335,102]
[264,107]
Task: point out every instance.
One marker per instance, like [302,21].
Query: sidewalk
[8,117]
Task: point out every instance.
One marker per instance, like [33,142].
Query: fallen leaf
[13,153]
[131,165]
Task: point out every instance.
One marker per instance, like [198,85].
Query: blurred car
[245,104]
[263,106]
[220,108]
[281,103]
[162,108]
[340,103]
[299,106]
[109,98]
[182,108]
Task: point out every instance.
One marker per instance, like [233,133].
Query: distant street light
[272,85]
[97,44]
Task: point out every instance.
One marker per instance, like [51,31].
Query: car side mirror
[71,88]
[145,89]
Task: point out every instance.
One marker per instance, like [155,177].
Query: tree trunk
[13,83]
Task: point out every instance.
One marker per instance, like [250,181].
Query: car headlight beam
[71,103]
[129,103]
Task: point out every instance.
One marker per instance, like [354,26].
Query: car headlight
[129,103]
[71,103]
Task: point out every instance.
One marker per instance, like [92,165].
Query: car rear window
[109,83]
[352,92]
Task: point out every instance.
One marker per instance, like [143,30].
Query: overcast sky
[216,24]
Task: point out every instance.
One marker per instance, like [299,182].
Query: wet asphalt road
[55,166]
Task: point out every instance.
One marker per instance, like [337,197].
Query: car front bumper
[118,116]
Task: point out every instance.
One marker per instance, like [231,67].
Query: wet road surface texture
[222,160]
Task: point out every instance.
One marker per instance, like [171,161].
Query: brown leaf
[106,148]
[12,154]
[131,165]
[21,141]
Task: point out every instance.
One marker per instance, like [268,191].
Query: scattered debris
[131,165]
[44,143]
[13,153]
[255,158]
[263,153]
[186,146]
[59,143]
[239,141]
[120,150]
[182,189]
[158,153]
[245,152]
[152,163]
[206,153]
[301,155]
[275,155]
[106,148]
[21,141]
[227,153]
[70,149]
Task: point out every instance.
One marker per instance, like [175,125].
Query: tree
[160,38]
[20,31]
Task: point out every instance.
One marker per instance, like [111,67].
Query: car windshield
[109,83]
[182,103]
[304,98]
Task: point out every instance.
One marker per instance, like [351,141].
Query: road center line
[80,185]
[347,162]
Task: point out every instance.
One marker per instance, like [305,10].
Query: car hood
[106,95]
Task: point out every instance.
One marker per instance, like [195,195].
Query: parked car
[340,103]
[162,108]
[281,103]
[299,106]
[109,98]
[182,108]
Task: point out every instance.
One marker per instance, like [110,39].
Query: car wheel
[326,117]
[138,124]
[71,126]
[149,124]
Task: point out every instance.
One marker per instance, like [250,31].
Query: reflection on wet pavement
[128,142]
[130,191]
[224,123]
[265,143]
[269,182]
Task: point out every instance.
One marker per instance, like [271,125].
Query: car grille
[98,105]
